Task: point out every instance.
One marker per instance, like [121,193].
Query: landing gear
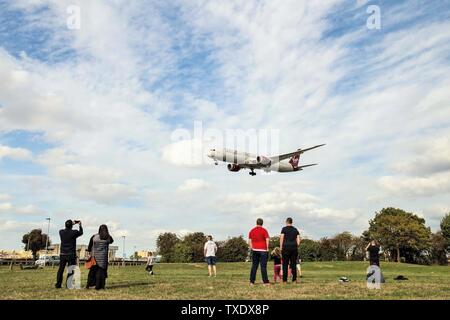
[252,173]
[216,163]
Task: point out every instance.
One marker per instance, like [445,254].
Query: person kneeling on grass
[210,251]
[150,263]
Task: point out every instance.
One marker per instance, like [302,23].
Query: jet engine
[233,167]
[263,160]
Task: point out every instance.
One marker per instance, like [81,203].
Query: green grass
[190,281]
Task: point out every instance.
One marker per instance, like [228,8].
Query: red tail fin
[294,161]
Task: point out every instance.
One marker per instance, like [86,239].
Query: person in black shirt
[374,253]
[68,248]
[289,242]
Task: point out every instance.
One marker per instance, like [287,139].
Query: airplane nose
[211,153]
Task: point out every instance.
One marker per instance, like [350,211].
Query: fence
[30,262]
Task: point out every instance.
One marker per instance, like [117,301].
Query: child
[276,256]
[299,267]
[150,263]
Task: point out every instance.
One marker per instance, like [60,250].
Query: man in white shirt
[210,250]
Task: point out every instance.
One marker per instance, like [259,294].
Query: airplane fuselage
[240,160]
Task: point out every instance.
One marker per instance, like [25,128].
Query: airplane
[243,160]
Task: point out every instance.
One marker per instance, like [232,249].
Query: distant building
[144,253]
[15,254]
[81,251]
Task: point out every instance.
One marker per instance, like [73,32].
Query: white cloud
[106,98]
[435,213]
[424,174]
[417,186]
[18,227]
[188,152]
[6,207]
[10,208]
[431,157]
[14,153]
[97,183]
[28,210]
[276,204]
[4,197]
[192,185]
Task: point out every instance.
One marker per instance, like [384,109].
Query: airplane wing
[281,157]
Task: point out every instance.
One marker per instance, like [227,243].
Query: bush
[194,243]
[309,250]
[166,243]
[233,250]
[438,249]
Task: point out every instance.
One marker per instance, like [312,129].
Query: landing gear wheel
[252,173]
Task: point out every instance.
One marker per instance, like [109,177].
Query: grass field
[190,281]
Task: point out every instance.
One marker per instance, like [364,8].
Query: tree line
[190,248]
[403,237]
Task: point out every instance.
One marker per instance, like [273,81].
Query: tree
[445,229]
[181,253]
[438,249]
[358,250]
[165,244]
[309,250]
[326,250]
[399,231]
[341,244]
[195,242]
[35,241]
[233,250]
[274,242]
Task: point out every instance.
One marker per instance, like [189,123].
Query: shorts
[211,261]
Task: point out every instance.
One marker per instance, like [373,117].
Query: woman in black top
[374,253]
[289,242]
[98,248]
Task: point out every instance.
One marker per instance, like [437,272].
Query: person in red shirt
[258,240]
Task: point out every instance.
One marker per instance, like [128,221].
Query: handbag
[90,263]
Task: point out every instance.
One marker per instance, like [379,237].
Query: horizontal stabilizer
[307,165]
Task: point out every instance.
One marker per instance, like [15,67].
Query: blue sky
[88,116]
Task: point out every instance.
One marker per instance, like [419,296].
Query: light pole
[46,243]
[135,253]
[123,250]
[28,245]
